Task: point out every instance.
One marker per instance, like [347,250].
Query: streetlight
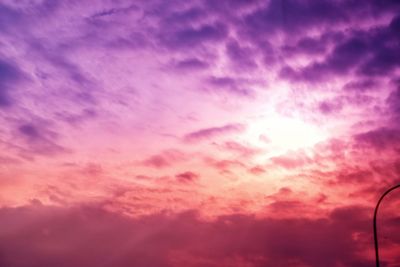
[375,228]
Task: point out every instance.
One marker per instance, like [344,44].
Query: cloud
[187,177]
[228,85]
[224,165]
[191,37]
[39,140]
[191,64]
[90,236]
[164,159]
[306,45]
[101,50]
[365,53]
[393,102]
[292,17]
[10,77]
[328,107]
[209,133]
[356,177]
[291,160]
[77,118]
[344,57]
[380,138]
[240,149]
[8,17]
[257,170]
[240,56]
[113,11]
[184,17]
[362,85]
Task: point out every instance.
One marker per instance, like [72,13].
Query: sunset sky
[198,133]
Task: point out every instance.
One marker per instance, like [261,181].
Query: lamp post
[375,226]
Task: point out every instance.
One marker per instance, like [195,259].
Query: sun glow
[283,133]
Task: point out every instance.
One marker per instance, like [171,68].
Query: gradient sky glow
[154,133]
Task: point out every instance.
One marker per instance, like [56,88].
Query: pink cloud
[91,236]
[188,176]
[209,133]
[164,159]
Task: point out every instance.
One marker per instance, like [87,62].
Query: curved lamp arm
[375,226]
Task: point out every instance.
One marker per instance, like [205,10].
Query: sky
[201,133]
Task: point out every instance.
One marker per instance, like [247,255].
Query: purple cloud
[393,102]
[380,139]
[364,53]
[292,17]
[191,64]
[39,140]
[210,133]
[341,60]
[10,77]
[190,37]
[330,106]
[362,85]
[228,85]
[241,57]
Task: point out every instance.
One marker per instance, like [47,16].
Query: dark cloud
[225,6]
[184,17]
[229,85]
[39,140]
[355,177]
[191,37]
[59,60]
[330,106]
[292,17]
[17,16]
[346,55]
[113,11]
[340,61]
[135,40]
[186,177]
[380,139]
[306,45]
[241,57]
[89,236]
[366,53]
[393,102]
[212,132]
[8,17]
[383,61]
[395,25]
[362,85]
[30,131]
[191,64]
[10,77]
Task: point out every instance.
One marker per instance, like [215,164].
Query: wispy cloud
[209,133]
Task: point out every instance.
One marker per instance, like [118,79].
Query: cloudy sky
[244,133]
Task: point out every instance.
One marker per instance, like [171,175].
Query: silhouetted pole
[375,228]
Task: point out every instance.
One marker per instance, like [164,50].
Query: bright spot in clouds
[283,133]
